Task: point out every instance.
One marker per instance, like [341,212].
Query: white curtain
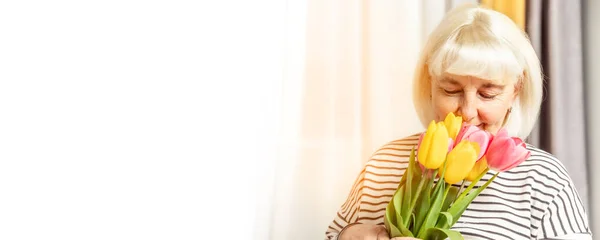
[346,91]
[253,116]
[137,119]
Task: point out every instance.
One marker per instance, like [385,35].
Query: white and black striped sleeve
[565,217]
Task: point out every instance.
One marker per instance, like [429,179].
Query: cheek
[494,112]
[491,115]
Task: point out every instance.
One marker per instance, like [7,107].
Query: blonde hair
[478,42]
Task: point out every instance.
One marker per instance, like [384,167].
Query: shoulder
[380,177]
[543,176]
[545,165]
[399,147]
[395,152]
[555,196]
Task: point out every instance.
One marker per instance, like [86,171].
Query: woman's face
[480,102]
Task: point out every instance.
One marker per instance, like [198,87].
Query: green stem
[448,185]
[419,188]
[490,181]
[462,185]
[462,203]
[473,183]
[440,180]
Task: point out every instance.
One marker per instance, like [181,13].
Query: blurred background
[180,119]
[346,90]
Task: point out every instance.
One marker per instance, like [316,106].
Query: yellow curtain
[514,9]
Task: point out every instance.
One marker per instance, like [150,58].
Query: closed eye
[452,92]
[487,96]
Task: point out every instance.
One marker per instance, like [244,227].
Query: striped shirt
[536,200]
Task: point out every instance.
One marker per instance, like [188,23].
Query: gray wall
[591,38]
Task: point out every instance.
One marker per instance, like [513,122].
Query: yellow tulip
[453,125]
[460,161]
[479,167]
[434,146]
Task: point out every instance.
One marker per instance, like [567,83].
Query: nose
[468,110]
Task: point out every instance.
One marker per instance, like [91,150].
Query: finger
[383,234]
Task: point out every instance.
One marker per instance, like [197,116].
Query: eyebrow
[450,81]
[486,85]
[491,85]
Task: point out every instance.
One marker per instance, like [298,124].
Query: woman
[479,65]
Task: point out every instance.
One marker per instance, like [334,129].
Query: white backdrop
[185,120]
[346,92]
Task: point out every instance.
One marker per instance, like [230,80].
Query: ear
[518,87]
[515,94]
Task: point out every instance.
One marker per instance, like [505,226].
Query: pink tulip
[474,134]
[505,153]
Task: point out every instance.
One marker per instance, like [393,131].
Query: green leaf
[403,179]
[434,211]
[418,188]
[399,220]
[416,174]
[440,181]
[423,204]
[442,234]
[450,198]
[407,197]
[393,231]
[403,230]
[413,162]
[444,220]
[391,212]
[390,216]
[462,203]
[397,202]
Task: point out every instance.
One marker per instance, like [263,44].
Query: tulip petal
[505,153]
[438,149]
[499,153]
[423,151]
[466,131]
[477,169]
[475,146]
[483,139]
[518,141]
[462,132]
[520,154]
[453,125]
[502,133]
[460,161]
[517,162]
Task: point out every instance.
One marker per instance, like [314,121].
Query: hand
[364,232]
[404,238]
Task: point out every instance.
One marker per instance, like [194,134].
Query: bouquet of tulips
[450,151]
